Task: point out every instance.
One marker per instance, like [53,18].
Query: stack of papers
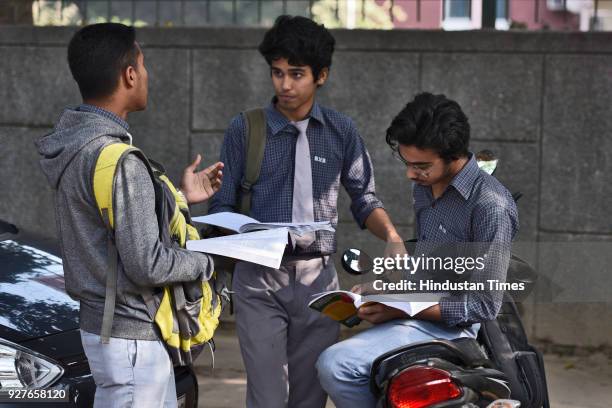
[256,242]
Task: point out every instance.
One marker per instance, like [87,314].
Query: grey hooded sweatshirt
[69,156]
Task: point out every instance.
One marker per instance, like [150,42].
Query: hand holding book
[344,307]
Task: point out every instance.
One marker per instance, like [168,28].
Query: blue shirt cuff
[453,310]
[362,207]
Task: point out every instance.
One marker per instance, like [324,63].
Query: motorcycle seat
[465,352]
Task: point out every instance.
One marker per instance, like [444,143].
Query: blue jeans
[344,368]
[130,373]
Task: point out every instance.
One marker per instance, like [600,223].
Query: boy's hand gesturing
[199,186]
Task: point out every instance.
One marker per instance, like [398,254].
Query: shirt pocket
[326,170]
[444,233]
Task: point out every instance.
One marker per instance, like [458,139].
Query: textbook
[241,224]
[342,305]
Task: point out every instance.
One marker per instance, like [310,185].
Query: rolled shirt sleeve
[357,177]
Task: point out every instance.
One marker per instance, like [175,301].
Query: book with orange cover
[342,305]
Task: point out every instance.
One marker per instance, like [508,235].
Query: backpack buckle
[246,186]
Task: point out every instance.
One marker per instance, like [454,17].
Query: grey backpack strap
[111,285]
[149,300]
[256,143]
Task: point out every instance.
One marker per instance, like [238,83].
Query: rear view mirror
[487,161]
[356,262]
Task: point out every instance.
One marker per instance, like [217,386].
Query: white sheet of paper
[261,247]
[418,301]
[228,220]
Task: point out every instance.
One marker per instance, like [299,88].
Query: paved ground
[574,382]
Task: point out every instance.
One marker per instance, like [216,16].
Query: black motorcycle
[498,369]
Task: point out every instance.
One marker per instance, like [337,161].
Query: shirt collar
[84,107]
[464,180]
[277,121]
[317,114]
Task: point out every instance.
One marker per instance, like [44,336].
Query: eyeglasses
[421,169]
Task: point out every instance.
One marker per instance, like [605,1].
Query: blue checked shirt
[474,208]
[338,155]
[103,112]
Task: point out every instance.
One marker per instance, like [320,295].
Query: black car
[41,356]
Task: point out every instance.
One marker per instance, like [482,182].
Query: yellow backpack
[186,314]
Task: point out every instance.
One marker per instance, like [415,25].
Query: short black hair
[431,122]
[98,53]
[301,41]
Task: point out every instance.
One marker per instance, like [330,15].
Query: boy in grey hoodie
[133,369]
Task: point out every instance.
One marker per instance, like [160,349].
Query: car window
[32,294]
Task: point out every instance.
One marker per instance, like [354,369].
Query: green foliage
[364,14]
[51,13]
[368,14]
[58,13]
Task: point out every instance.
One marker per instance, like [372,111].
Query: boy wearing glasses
[454,202]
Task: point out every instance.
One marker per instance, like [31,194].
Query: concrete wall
[540,100]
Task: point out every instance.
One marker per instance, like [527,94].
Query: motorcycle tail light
[420,387]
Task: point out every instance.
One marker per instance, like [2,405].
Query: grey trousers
[280,336]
